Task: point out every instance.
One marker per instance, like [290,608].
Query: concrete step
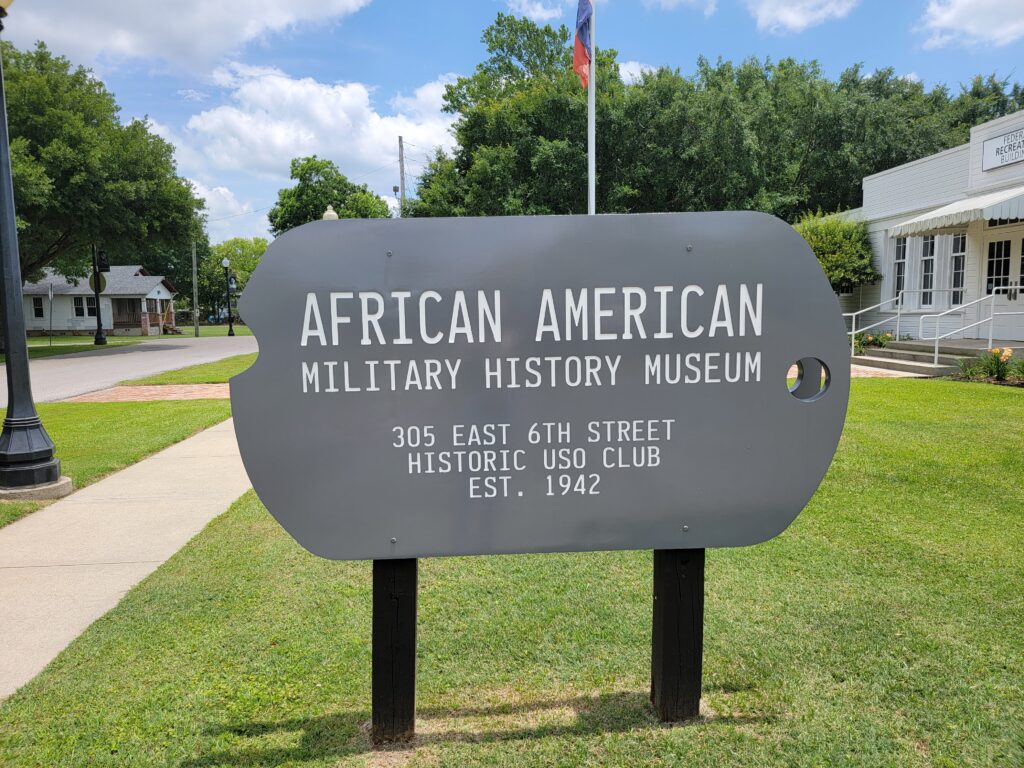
[906,366]
[920,356]
[955,347]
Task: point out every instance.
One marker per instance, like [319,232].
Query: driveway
[64,376]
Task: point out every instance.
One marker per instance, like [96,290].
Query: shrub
[866,339]
[970,367]
[998,362]
[842,247]
[992,364]
[1017,369]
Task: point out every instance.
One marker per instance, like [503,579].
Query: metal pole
[26,450]
[227,294]
[100,337]
[401,175]
[195,290]
[991,320]
[592,121]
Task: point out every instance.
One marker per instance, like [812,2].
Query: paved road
[63,376]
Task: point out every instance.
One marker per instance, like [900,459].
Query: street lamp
[227,294]
[330,214]
[99,265]
[26,450]
[395,190]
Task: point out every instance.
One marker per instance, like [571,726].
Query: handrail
[898,298]
[1014,289]
[991,296]
[990,319]
[868,309]
[937,315]
[853,321]
[992,325]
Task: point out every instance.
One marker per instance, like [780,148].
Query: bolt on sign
[431,387]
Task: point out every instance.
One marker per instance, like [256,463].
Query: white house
[948,237]
[133,303]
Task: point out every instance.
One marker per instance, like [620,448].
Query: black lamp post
[227,294]
[26,451]
[99,265]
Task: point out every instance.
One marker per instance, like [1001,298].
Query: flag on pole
[583,51]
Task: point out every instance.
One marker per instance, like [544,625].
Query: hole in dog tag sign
[539,384]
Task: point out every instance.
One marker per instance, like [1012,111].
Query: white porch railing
[1011,290]
[898,301]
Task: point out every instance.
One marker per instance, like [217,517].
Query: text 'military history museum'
[948,235]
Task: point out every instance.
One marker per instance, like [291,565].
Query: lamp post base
[99,339]
[26,453]
[29,473]
[56,490]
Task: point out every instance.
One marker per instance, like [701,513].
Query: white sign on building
[1003,150]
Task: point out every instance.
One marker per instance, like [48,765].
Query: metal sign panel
[1003,150]
[92,282]
[496,385]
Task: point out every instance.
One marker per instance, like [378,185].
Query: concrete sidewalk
[63,567]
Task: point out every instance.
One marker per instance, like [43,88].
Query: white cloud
[630,71]
[426,101]
[227,216]
[191,94]
[272,117]
[911,77]
[710,6]
[189,33]
[797,15]
[972,22]
[392,202]
[536,10]
[186,157]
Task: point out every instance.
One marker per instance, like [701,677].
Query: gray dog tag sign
[540,384]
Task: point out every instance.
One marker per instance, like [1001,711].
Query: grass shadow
[346,734]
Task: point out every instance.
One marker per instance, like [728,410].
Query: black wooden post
[394,650]
[677,642]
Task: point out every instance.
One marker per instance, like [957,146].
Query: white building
[133,303]
[948,235]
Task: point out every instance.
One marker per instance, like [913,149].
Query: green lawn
[882,629]
[214,330]
[216,372]
[70,345]
[95,439]
[45,341]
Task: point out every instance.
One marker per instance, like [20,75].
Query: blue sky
[242,86]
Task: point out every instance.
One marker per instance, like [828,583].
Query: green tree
[772,136]
[521,131]
[243,254]
[83,178]
[842,247]
[318,184]
[519,52]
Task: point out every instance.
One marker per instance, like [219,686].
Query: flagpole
[591,120]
